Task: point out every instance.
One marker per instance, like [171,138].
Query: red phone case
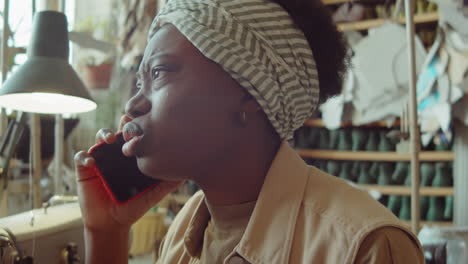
[107,185]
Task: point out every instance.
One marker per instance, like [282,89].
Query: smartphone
[120,174]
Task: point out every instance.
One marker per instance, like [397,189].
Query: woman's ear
[250,106]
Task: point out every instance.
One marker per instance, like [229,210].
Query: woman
[222,86]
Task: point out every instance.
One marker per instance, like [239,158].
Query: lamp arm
[5,36]
[6,138]
[8,146]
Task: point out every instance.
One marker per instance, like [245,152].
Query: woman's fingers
[105,135]
[83,159]
[84,164]
[124,120]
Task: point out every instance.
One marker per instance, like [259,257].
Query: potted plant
[97,71]
[96,56]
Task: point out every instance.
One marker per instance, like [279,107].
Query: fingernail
[87,162]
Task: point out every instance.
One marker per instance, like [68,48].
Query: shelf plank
[319,123]
[373,156]
[334,2]
[428,223]
[406,191]
[15,187]
[14,163]
[371,23]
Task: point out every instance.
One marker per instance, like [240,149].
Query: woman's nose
[137,106]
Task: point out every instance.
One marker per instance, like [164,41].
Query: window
[20,22]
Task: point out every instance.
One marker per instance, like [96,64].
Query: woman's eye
[155,73]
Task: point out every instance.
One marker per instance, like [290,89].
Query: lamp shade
[46,83]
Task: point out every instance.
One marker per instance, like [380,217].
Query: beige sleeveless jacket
[302,215]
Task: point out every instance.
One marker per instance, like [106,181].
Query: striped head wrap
[258,44]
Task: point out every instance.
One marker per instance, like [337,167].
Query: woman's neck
[239,178]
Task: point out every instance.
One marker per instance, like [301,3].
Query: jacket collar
[195,233]
[269,233]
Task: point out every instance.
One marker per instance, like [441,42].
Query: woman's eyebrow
[162,56]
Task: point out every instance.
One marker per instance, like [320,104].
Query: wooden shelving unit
[399,190]
[433,156]
[406,191]
[367,24]
[373,156]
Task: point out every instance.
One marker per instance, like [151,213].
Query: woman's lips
[131,130]
[132,134]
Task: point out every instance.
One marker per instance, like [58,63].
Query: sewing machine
[49,235]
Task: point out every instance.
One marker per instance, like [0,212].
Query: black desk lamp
[45,83]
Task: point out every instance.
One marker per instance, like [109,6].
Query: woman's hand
[100,213]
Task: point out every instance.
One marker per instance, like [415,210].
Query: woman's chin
[150,168]
[147,167]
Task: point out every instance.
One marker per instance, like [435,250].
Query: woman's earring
[243,118]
